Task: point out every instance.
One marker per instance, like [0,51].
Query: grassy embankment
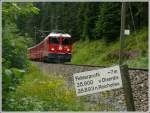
[41,92]
[99,53]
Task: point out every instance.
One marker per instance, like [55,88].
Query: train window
[54,40]
[66,41]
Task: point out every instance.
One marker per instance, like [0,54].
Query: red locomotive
[55,47]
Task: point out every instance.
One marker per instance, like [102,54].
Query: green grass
[44,92]
[40,92]
[97,52]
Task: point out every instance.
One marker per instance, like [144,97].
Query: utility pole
[124,69]
[122,35]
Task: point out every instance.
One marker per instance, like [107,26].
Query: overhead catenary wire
[130,8]
[133,23]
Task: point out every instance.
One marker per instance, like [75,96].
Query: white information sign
[127,32]
[97,80]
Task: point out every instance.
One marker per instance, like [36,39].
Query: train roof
[53,34]
[59,34]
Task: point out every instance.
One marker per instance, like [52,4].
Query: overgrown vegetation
[99,52]
[41,92]
[14,48]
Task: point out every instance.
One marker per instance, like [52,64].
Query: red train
[55,47]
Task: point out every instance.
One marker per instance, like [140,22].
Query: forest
[95,24]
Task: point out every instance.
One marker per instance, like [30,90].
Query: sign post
[127,88]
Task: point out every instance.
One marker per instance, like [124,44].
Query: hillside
[97,52]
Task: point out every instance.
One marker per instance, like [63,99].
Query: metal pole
[122,35]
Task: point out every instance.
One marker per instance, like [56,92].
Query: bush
[39,92]
[11,78]
[14,60]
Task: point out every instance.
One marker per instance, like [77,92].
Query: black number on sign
[85,83]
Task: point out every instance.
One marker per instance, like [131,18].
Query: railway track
[69,64]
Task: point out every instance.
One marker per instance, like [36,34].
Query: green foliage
[11,78]
[11,11]
[98,52]
[140,62]
[90,52]
[91,21]
[40,92]
[108,23]
[89,17]
[48,92]
[14,47]
[82,20]
[138,41]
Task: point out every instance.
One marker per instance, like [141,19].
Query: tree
[90,17]
[13,43]
[14,47]
[84,20]
[108,23]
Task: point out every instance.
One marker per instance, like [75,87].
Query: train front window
[54,40]
[66,41]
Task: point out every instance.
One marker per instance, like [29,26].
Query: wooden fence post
[127,88]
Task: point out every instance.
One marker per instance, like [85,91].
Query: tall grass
[40,92]
[98,52]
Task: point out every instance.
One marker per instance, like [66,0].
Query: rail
[87,65]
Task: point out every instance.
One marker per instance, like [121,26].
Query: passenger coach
[55,47]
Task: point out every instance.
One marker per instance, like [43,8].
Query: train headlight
[68,49]
[60,48]
[52,49]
